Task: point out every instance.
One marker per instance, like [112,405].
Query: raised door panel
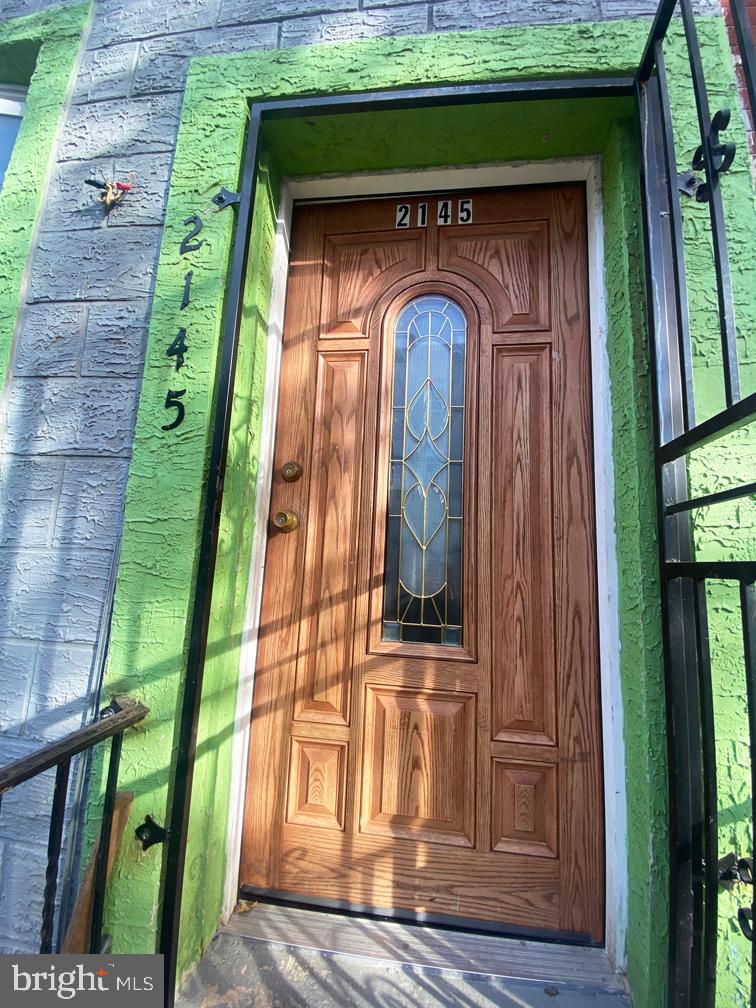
[279,631]
[317,779]
[524,818]
[356,268]
[419,771]
[576,627]
[324,658]
[510,262]
[523,667]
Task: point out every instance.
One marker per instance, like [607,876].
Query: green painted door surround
[164,496]
[38,52]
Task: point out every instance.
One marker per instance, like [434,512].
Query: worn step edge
[428,947]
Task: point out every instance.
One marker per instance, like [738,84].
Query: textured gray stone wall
[67,414]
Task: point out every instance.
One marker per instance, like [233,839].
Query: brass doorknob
[286,521]
[291,471]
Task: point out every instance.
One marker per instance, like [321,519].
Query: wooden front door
[426,725]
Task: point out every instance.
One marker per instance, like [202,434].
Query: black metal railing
[694,876]
[111,723]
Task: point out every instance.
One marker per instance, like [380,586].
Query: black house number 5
[173,401]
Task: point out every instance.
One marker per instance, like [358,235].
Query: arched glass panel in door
[422,600]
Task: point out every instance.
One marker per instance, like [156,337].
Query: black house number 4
[178,348]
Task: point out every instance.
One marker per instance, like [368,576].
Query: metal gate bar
[748,616]
[716,210]
[664,278]
[687,406]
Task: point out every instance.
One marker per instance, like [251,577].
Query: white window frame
[12,100]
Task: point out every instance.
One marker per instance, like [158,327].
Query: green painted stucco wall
[38,52]
[164,498]
[641,664]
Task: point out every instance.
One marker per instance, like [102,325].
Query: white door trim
[339,187]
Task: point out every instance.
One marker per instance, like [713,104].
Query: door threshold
[424,919]
[426,946]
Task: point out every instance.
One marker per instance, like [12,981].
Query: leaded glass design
[422,593]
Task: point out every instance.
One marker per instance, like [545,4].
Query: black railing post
[55,839]
[709,804]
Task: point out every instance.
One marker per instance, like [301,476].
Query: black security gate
[694,870]
[694,867]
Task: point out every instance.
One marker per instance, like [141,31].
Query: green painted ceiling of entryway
[422,138]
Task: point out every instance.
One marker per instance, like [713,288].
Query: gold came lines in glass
[423,578]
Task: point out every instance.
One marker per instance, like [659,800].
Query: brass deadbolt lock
[291,471]
[286,521]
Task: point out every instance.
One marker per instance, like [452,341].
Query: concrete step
[285,957]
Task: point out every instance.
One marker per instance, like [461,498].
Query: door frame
[497,175]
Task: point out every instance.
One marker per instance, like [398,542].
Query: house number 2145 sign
[443,211]
[178,348]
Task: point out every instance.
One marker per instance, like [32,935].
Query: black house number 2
[188,245]
[178,348]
